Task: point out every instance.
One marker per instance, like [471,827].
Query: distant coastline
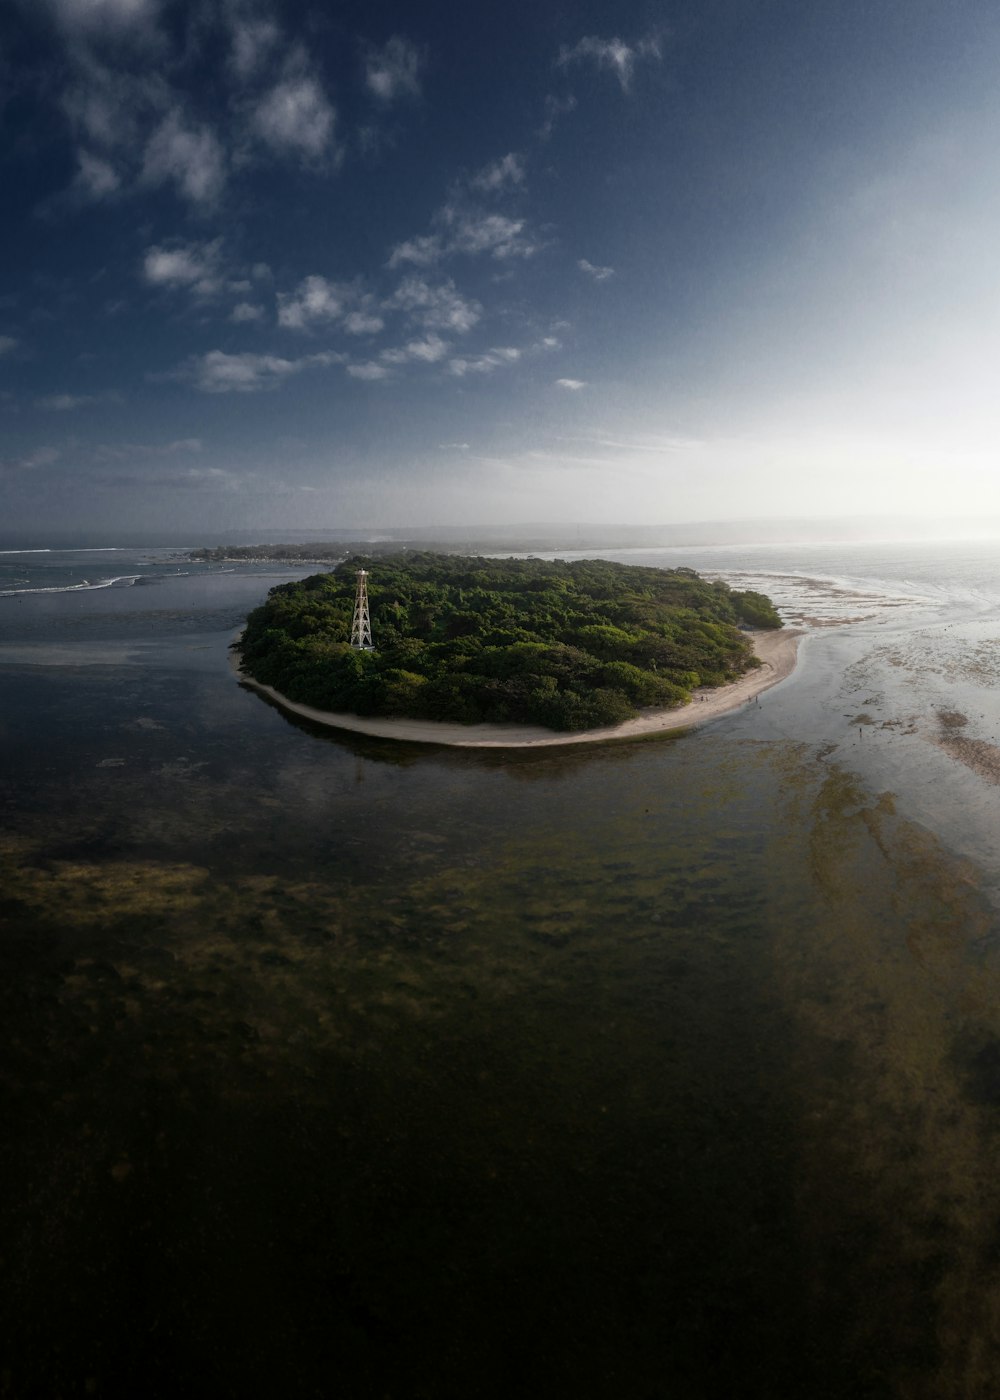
[777,651]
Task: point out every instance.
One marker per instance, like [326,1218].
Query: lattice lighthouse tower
[361,627]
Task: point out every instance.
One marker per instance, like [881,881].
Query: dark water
[333,1067]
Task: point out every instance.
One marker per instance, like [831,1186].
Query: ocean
[336,1065]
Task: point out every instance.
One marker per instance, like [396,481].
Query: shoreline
[777,650]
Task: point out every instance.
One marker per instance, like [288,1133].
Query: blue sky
[361,265]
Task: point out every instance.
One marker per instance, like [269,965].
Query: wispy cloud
[195,266]
[471,231]
[8,343]
[655,445]
[573,384]
[113,109]
[614,54]
[362,323]
[29,461]
[99,14]
[136,131]
[503,174]
[420,252]
[393,72]
[368,370]
[468,230]
[436,307]
[501,357]
[295,116]
[63,403]
[599,274]
[464,226]
[128,451]
[220,373]
[245,312]
[555,107]
[427,351]
[127,93]
[177,478]
[96,177]
[253,37]
[315,301]
[318,301]
[189,155]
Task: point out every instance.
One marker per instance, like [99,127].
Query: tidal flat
[448,1076]
[333,1064]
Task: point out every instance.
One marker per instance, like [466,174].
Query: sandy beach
[777,651]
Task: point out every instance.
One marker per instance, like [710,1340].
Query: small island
[569,647]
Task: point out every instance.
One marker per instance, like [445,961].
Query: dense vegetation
[570,646]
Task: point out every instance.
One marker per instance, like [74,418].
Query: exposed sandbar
[978,754]
[777,651]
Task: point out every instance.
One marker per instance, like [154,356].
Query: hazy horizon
[265,264]
[570,537]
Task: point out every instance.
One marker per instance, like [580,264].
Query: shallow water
[670,1068]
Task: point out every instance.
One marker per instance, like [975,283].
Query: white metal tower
[361,627]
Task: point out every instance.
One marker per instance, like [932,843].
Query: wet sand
[979,755]
[777,650]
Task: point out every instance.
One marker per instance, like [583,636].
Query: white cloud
[113,107]
[246,311]
[610,53]
[505,173]
[96,176]
[183,478]
[191,157]
[192,265]
[555,107]
[62,403]
[7,344]
[220,373]
[128,451]
[599,274]
[394,71]
[573,384]
[97,14]
[464,227]
[370,370]
[40,457]
[497,358]
[439,307]
[253,39]
[422,252]
[429,350]
[314,300]
[295,116]
[474,232]
[362,323]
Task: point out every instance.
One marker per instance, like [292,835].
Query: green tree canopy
[567,645]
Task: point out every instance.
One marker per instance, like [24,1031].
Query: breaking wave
[120,581]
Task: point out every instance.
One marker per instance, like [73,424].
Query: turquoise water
[333,1065]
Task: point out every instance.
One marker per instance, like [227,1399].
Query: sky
[318,266]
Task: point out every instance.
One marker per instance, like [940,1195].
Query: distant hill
[566,645]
